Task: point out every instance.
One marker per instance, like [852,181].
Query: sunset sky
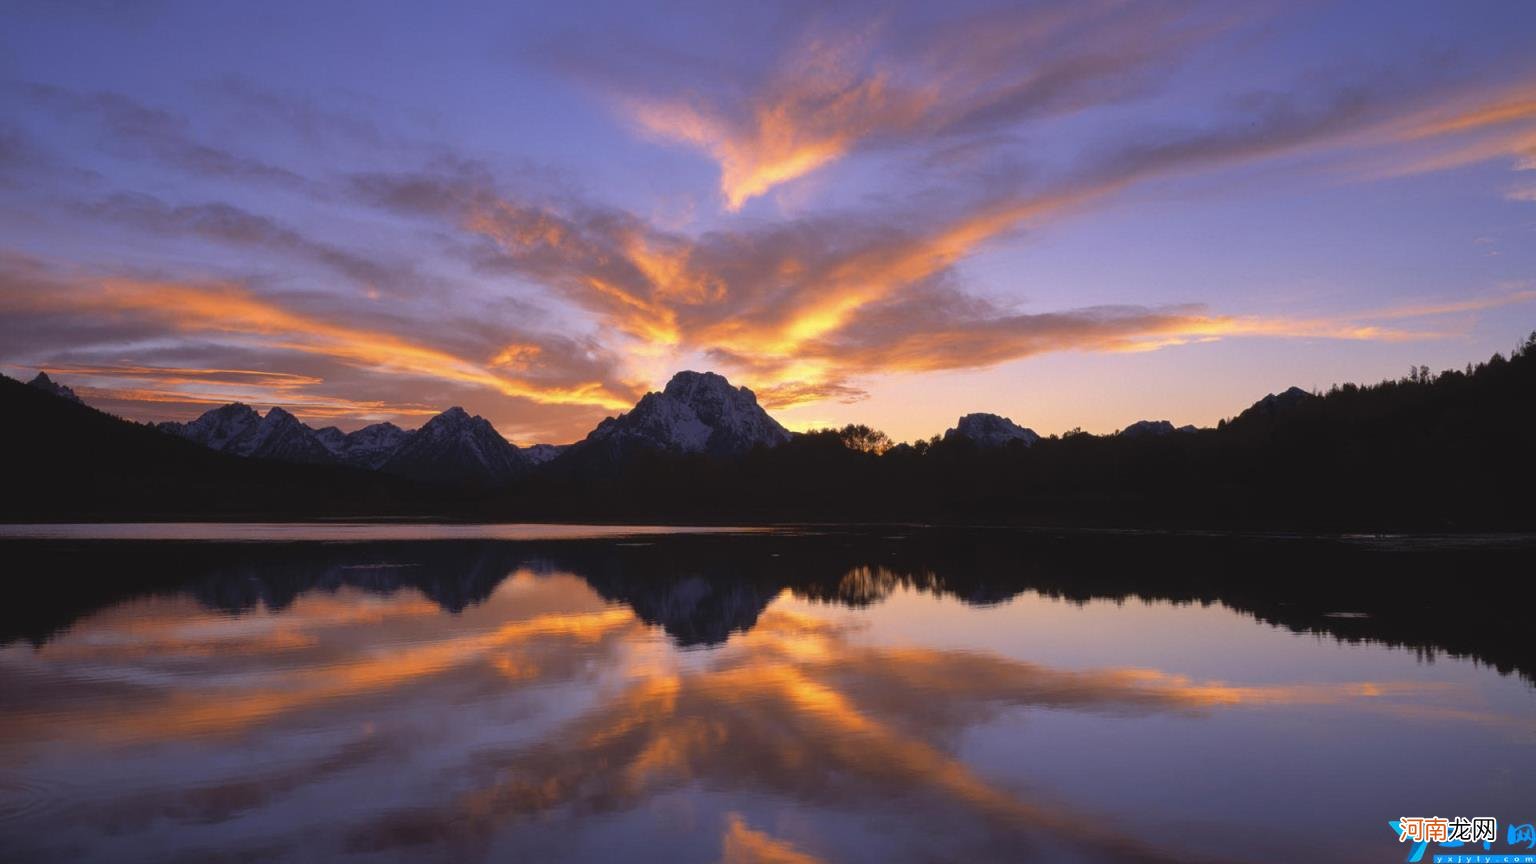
[1075,214]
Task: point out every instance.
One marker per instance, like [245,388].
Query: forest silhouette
[1444,452]
[1440,452]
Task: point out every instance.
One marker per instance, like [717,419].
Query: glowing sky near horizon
[1074,214]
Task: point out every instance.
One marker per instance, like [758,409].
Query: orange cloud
[1515,105]
[742,845]
[115,386]
[795,315]
[303,405]
[808,118]
[233,312]
[792,708]
[188,712]
[793,703]
[835,91]
[1466,128]
[183,375]
[797,310]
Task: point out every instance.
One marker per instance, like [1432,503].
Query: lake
[562,693]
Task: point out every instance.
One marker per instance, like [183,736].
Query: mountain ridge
[1292,459]
[458,448]
[697,413]
[70,462]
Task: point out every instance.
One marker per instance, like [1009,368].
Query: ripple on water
[22,799]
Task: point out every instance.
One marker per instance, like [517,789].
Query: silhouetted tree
[863,439]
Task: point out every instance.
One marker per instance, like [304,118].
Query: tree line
[1447,451]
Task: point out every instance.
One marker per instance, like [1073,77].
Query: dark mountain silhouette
[1443,452]
[1154,428]
[65,460]
[1276,405]
[42,382]
[990,430]
[457,449]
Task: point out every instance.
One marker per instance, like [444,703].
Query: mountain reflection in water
[797,696]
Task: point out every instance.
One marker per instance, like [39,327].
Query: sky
[1074,214]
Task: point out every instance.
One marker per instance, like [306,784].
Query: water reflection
[783,698]
[1431,596]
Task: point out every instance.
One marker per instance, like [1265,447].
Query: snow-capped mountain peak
[538,454]
[697,412]
[990,430]
[226,428]
[457,447]
[452,447]
[282,436]
[371,446]
[333,439]
[237,428]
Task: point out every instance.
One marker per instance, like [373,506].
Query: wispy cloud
[225,223]
[138,128]
[234,316]
[184,392]
[1463,128]
[741,844]
[836,90]
[800,308]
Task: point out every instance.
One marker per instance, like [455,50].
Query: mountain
[697,412]
[239,430]
[71,462]
[455,448]
[226,429]
[333,439]
[538,454]
[283,437]
[1275,404]
[1449,452]
[990,430]
[1153,429]
[48,385]
[368,447]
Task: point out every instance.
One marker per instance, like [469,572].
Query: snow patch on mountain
[238,429]
[368,447]
[455,447]
[990,430]
[538,454]
[281,436]
[225,428]
[697,412]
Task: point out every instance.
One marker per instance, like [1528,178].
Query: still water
[789,696]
